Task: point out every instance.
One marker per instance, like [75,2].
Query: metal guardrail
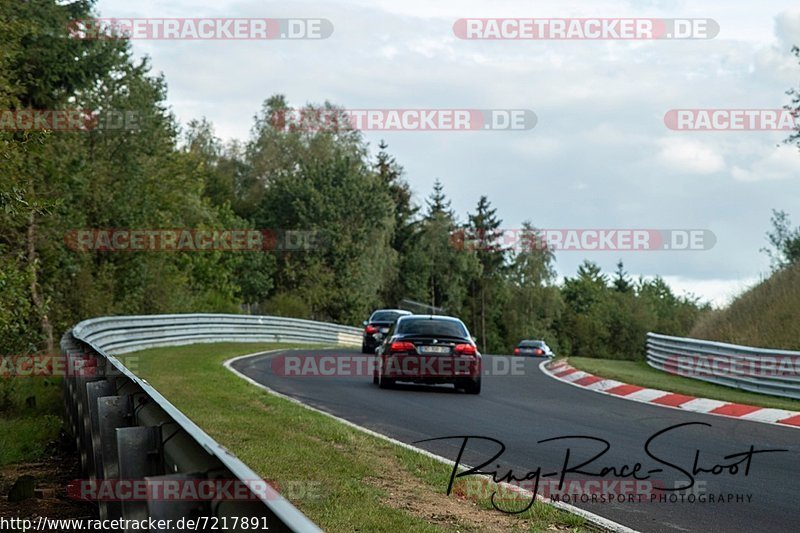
[126,430]
[763,370]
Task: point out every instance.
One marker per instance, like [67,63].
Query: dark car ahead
[535,348]
[428,349]
[377,326]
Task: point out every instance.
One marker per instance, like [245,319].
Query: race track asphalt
[523,407]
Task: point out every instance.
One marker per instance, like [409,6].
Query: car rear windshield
[384,316]
[531,344]
[433,327]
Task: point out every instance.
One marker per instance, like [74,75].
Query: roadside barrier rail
[763,370]
[125,430]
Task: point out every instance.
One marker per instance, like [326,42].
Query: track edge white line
[595,519]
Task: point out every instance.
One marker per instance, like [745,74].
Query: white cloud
[787,27]
[719,292]
[691,156]
[779,163]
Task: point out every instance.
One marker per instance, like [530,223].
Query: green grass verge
[352,481]
[26,431]
[639,373]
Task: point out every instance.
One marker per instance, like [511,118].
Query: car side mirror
[365,323]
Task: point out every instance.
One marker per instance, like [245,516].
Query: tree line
[379,247]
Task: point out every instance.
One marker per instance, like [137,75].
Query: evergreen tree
[433,270]
[621,281]
[483,231]
[390,174]
[438,204]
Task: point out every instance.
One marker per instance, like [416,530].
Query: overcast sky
[600,155]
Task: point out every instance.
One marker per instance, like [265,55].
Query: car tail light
[464,349]
[402,346]
[538,351]
[371,329]
[516,351]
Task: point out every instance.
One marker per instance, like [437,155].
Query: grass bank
[343,479]
[763,316]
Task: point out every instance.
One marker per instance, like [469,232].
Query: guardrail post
[162,509]
[139,456]
[94,391]
[84,420]
[112,412]
[72,396]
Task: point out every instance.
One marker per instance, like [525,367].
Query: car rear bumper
[430,368]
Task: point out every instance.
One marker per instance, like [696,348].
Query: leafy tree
[219,169]
[794,105]
[205,149]
[784,241]
[350,211]
[320,179]
[42,68]
[126,178]
[588,288]
[583,325]
[674,315]
[628,319]
[534,303]
[277,147]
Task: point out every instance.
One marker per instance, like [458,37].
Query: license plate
[384,330]
[434,349]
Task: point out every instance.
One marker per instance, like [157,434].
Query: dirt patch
[51,475]
[406,492]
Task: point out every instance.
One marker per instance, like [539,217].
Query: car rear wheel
[384,382]
[472,386]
